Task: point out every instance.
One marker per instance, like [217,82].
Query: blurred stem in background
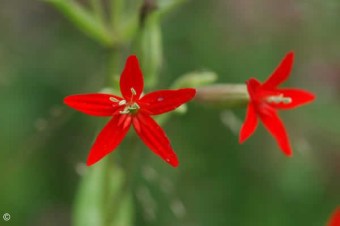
[223,95]
[105,193]
[98,11]
[148,43]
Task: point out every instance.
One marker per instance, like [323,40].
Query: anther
[279,99]
[113,99]
[122,102]
[133,91]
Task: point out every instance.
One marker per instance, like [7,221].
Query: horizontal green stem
[223,95]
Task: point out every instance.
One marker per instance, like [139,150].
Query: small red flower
[267,98]
[335,218]
[133,108]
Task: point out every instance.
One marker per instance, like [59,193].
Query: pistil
[130,109]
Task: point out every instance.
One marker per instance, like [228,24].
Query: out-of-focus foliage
[100,193]
[219,182]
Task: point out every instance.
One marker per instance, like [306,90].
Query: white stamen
[279,99]
[122,102]
[287,100]
[133,107]
[133,91]
[113,99]
[129,108]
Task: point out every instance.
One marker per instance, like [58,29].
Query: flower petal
[252,86]
[249,125]
[274,125]
[96,104]
[165,100]
[297,97]
[109,138]
[335,218]
[155,138]
[281,73]
[131,79]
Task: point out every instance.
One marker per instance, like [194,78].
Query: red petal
[298,98]
[252,87]
[274,125]
[109,138]
[281,73]
[335,219]
[131,78]
[166,100]
[249,125]
[95,104]
[155,138]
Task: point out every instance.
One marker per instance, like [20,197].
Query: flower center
[278,99]
[130,108]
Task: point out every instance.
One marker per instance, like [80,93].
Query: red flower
[133,108]
[266,98]
[335,218]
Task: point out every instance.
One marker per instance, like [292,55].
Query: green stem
[114,67]
[223,95]
[116,11]
[126,188]
[131,162]
[98,11]
[171,6]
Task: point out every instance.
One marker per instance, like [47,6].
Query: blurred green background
[43,144]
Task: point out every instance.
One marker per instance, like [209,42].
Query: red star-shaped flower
[335,218]
[133,108]
[267,98]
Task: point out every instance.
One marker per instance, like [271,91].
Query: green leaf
[85,20]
